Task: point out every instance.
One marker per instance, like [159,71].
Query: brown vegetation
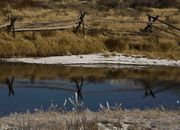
[107,119]
[158,44]
[61,43]
[153,3]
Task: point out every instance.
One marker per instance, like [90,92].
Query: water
[30,87]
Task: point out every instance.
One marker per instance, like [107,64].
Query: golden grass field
[53,43]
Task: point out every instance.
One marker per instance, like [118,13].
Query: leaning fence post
[11,26]
[34,35]
[149,26]
[79,23]
[83,26]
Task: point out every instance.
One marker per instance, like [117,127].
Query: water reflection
[148,90]
[154,87]
[79,81]
[9,82]
[135,88]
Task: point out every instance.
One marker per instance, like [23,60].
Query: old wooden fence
[76,24]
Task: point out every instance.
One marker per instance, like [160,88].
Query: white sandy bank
[118,59]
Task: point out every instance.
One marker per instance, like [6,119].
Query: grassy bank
[107,119]
[49,44]
[27,44]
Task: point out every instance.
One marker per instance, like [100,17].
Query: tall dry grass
[61,43]
[67,43]
[107,119]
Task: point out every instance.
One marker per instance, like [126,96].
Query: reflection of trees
[9,82]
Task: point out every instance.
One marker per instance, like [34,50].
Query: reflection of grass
[55,71]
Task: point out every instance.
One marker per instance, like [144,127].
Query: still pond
[30,87]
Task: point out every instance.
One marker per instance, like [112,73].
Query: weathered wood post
[79,23]
[11,26]
[169,25]
[149,26]
[33,35]
[83,25]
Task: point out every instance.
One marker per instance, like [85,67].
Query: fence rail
[42,29]
[77,23]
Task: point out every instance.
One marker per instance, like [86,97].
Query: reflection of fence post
[11,26]
[149,26]
[79,23]
[10,82]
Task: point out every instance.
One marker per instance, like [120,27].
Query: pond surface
[29,87]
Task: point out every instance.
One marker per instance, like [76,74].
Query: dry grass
[66,43]
[61,43]
[107,119]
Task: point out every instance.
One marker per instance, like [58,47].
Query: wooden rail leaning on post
[79,23]
[169,25]
[149,26]
[11,26]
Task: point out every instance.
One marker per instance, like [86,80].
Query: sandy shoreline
[92,59]
[103,120]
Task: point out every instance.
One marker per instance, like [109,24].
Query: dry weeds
[66,43]
[107,119]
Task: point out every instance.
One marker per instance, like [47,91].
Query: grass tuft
[116,44]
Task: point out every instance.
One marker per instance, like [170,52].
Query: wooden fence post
[169,25]
[34,35]
[149,26]
[79,23]
[11,26]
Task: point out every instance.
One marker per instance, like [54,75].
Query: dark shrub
[116,44]
[20,3]
[152,3]
[108,3]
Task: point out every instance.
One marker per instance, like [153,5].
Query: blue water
[126,93]
[93,94]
